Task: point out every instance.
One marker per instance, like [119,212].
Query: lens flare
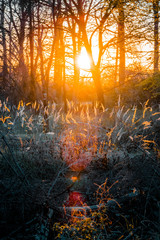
[74,179]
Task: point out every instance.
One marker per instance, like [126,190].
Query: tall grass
[83,133]
[83,136]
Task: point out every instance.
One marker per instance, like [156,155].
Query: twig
[68,188]
[10,165]
[83,208]
[14,160]
[131,234]
[55,180]
[62,170]
[44,228]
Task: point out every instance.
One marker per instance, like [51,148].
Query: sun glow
[74,178]
[83,60]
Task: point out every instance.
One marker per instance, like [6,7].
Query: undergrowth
[119,144]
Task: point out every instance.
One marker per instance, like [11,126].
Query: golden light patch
[74,179]
[83,59]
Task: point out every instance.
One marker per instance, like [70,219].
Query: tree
[4,45]
[156,33]
[121,41]
[80,11]
[76,45]
[41,40]
[59,51]
[31,39]
[20,32]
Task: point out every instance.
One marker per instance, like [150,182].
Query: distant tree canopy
[41,41]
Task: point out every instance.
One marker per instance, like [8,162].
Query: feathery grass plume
[156,113]
[79,140]
[6,108]
[3,119]
[145,108]
[29,103]
[134,115]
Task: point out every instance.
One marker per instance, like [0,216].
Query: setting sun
[83,60]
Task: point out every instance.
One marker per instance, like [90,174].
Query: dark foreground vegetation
[71,168]
[93,175]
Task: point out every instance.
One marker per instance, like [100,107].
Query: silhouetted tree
[4,45]
[121,40]
[156,33]
[80,11]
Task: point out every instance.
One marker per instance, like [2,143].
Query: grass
[115,151]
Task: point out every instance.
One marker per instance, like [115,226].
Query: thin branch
[14,160]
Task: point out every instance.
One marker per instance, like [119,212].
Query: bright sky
[83,60]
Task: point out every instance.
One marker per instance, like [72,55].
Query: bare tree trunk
[156,32]
[116,65]
[44,85]
[121,42]
[50,61]
[64,76]
[21,37]
[10,45]
[40,49]
[96,74]
[95,70]
[31,35]
[58,65]
[5,68]
[76,51]
[45,76]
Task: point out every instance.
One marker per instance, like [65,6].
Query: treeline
[41,39]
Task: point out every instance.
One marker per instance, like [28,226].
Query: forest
[79,119]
